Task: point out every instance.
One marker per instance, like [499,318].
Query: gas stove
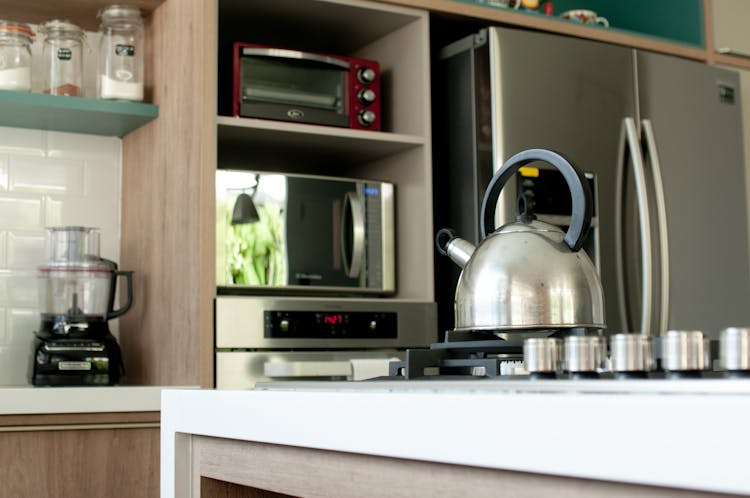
[678,362]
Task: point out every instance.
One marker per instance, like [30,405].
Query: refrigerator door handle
[630,147]
[661,213]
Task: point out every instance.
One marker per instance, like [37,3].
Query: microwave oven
[305,87]
[305,234]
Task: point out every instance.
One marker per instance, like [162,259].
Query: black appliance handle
[112,313]
[579,191]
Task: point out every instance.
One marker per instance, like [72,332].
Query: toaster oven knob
[365,75]
[366,117]
[366,96]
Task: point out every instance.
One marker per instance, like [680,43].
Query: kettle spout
[456,248]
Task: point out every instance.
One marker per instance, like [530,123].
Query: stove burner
[475,354]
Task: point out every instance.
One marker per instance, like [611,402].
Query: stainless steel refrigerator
[663,138]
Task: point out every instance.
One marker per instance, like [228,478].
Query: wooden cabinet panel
[114,463]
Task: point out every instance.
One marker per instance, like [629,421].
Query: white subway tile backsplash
[3,336]
[102,181]
[3,172]
[47,179]
[15,365]
[20,325]
[81,146]
[21,141]
[3,250]
[20,212]
[26,250]
[31,174]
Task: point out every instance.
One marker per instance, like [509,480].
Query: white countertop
[39,400]
[681,434]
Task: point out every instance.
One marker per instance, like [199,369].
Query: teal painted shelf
[73,114]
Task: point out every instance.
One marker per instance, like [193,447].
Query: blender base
[76,362]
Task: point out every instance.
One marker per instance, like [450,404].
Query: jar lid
[62,28]
[119,11]
[16,27]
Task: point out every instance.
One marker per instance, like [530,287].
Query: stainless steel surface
[682,351]
[582,354]
[523,276]
[239,322]
[734,348]
[242,369]
[698,133]
[644,219]
[381,276]
[293,54]
[355,208]
[631,353]
[542,354]
[652,155]
[655,387]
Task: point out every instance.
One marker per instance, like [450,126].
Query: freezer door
[570,95]
[695,114]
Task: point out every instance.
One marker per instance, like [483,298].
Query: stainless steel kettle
[527,275]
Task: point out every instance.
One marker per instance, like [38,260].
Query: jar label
[64,54]
[128,50]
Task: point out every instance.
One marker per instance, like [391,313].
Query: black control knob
[366,96]
[366,75]
[366,117]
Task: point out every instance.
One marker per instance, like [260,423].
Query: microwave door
[313,232]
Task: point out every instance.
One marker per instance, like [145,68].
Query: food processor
[74,346]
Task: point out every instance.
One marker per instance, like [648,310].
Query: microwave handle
[354,207]
[283,53]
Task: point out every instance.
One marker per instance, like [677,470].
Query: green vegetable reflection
[256,250]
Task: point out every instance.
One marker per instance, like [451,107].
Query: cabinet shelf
[73,114]
[258,142]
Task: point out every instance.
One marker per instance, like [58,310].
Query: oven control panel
[330,325]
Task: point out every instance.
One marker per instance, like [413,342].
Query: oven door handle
[278,368]
[282,53]
[354,207]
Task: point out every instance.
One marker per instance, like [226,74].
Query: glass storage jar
[120,74]
[62,53]
[15,56]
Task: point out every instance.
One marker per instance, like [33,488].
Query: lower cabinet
[71,456]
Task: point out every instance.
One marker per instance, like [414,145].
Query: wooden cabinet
[168,201]
[81,455]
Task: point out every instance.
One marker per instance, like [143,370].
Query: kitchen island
[481,438]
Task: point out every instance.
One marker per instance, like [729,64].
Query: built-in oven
[263,338]
[280,232]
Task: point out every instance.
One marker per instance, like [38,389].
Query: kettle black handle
[579,191]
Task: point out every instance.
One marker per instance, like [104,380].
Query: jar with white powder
[120,74]
[15,56]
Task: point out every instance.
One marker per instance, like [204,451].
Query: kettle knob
[579,191]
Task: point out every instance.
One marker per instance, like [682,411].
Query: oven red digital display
[333,319]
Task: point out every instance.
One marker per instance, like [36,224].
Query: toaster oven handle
[354,207]
[283,53]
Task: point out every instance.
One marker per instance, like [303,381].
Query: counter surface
[47,400]
[679,438]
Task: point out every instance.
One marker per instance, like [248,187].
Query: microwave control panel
[330,325]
